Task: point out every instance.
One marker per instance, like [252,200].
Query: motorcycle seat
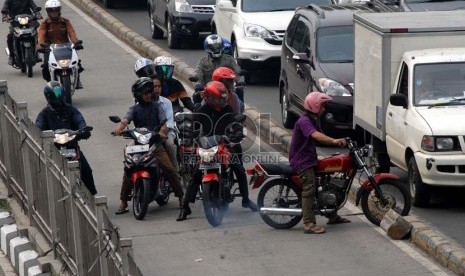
[277,169]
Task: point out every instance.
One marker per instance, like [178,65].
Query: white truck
[409,99]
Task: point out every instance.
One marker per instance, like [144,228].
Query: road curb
[437,245]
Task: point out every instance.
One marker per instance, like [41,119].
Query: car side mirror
[115,119]
[303,58]
[398,100]
[37,9]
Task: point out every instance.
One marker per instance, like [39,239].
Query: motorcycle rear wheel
[213,205]
[142,198]
[269,196]
[398,196]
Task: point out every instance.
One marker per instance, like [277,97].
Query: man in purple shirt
[303,157]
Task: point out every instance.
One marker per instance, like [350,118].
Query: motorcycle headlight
[143,139]
[63,138]
[207,155]
[443,143]
[64,62]
[23,20]
[252,30]
[333,88]
[183,6]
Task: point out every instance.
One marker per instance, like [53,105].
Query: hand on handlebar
[342,142]
[6,19]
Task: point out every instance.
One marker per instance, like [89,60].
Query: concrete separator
[434,243]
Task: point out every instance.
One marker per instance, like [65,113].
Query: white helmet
[52,4]
[143,68]
[163,60]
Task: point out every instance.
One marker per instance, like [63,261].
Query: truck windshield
[278,5]
[439,84]
[335,44]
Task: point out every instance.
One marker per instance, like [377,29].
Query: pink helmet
[315,100]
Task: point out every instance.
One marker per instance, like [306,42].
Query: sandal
[314,229]
[338,220]
[121,211]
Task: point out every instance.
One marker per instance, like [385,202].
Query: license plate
[68,152]
[137,148]
[209,166]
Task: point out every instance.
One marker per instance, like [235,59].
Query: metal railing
[76,224]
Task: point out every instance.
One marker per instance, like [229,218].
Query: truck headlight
[252,30]
[183,6]
[333,88]
[440,143]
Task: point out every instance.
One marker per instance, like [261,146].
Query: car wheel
[288,118]
[157,33]
[173,42]
[109,4]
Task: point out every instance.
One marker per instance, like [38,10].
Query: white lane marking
[402,245]
[97,26]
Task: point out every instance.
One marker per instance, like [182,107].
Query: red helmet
[216,95]
[223,73]
[315,100]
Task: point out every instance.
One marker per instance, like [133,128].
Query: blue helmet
[54,94]
[213,45]
[227,47]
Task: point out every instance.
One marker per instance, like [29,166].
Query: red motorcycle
[280,198]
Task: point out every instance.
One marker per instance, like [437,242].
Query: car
[422,5]
[318,55]
[180,19]
[256,28]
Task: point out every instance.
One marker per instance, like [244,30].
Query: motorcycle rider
[214,46]
[215,118]
[56,30]
[59,115]
[10,9]
[303,157]
[227,76]
[171,87]
[147,113]
[144,68]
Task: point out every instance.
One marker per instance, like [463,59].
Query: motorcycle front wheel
[279,193]
[29,61]
[212,203]
[398,198]
[66,81]
[142,198]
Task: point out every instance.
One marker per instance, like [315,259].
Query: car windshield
[278,5]
[335,44]
[439,84]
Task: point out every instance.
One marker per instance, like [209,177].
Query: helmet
[216,95]
[227,47]
[53,6]
[164,67]
[223,73]
[54,94]
[144,68]
[213,45]
[315,100]
[140,87]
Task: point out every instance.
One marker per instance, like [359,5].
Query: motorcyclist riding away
[10,9]
[215,117]
[56,30]
[59,115]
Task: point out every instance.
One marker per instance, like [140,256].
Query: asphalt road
[447,211]
[243,245]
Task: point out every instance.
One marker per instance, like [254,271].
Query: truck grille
[209,9]
[276,37]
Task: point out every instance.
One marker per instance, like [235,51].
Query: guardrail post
[125,248]
[4,133]
[73,169]
[23,116]
[47,138]
[101,207]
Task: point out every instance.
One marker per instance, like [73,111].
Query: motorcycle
[24,42]
[63,64]
[280,197]
[66,142]
[217,188]
[141,167]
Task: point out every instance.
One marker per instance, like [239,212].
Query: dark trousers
[86,174]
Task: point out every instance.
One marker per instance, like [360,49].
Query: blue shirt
[167,108]
[302,154]
[147,115]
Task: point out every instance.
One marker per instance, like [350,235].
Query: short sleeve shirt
[302,154]
[146,115]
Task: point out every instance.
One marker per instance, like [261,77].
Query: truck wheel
[421,193]
[288,118]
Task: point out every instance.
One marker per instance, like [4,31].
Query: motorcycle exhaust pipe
[280,211]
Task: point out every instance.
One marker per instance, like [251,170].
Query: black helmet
[141,86]
[144,68]
[214,45]
[54,94]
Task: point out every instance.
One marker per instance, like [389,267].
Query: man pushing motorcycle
[303,158]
